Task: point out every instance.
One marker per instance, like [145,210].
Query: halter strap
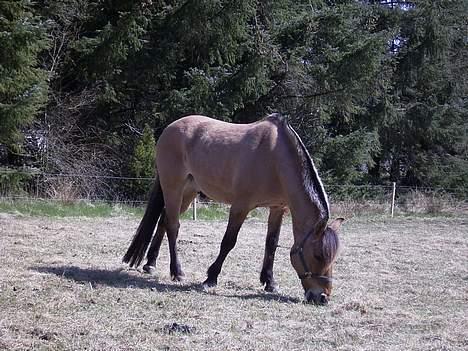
[299,250]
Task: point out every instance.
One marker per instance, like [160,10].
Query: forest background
[377,90]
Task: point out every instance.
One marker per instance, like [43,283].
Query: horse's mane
[312,182]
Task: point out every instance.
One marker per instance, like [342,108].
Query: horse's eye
[318,257]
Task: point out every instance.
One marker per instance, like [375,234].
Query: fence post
[37,186]
[194,209]
[393,197]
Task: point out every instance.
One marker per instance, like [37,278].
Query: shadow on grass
[130,280]
[114,278]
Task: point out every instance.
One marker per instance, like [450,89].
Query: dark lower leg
[229,241]
[174,267]
[153,251]
[271,243]
[227,245]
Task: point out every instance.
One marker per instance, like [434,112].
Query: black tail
[144,233]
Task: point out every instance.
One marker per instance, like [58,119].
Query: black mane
[312,181]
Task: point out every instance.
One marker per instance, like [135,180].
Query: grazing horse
[262,164]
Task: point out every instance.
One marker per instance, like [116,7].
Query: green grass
[209,211]
[49,208]
[42,208]
[219,212]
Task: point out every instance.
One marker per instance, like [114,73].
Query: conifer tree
[423,125]
[22,82]
[336,54]
[377,89]
[142,164]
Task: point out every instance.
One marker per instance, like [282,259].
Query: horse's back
[224,159]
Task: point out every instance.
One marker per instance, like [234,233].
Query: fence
[346,200]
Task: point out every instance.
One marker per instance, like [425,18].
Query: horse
[260,164]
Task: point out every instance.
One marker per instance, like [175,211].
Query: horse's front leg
[236,218]
[271,243]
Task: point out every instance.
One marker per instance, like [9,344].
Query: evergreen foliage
[377,89]
[143,156]
[423,121]
[142,162]
[22,82]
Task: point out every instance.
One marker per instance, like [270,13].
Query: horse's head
[313,260]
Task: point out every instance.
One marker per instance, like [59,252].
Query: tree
[88,109]
[336,64]
[376,89]
[23,86]
[423,124]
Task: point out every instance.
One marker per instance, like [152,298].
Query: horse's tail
[144,233]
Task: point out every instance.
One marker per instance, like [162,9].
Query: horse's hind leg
[176,199]
[189,194]
[153,251]
[236,218]
[274,225]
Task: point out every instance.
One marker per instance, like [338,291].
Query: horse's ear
[336,224]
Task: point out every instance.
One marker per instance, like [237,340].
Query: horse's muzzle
[317,299]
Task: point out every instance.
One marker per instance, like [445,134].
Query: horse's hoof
[177,278]
[209,283]
[149,269]
[272,288]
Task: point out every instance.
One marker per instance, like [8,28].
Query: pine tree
[142,164]
[23,86]
[423,129]
[336,55]
[377,89]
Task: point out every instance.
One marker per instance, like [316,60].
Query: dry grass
[400,285]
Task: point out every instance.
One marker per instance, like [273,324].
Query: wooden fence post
[194,209]
[37,186]
[393,198]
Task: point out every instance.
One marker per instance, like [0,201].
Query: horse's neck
[306,211]
[305,215]
[306,206]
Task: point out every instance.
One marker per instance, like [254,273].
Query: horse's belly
[247,189]
[220,192]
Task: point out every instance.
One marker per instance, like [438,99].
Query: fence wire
[346,200]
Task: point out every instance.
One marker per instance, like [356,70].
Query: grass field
[401,284]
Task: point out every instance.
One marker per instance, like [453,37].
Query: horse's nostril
[323,299]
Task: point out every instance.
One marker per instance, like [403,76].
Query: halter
[307,273]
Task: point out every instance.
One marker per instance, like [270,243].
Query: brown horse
[262,164]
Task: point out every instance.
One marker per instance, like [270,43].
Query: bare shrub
[421,202]
[352,208]
[80,156]
[63,191]
[409,201]
[69,144]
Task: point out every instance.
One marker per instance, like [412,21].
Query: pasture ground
[401,284]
